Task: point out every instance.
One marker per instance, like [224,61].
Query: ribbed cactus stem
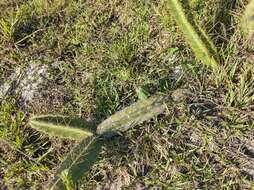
[133,115]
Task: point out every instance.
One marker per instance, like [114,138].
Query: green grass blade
[197,39]
[135,114]
[248,20]
[62,126]
[79,161]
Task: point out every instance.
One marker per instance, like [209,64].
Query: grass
[97,54]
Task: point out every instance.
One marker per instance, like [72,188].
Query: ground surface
[87,58]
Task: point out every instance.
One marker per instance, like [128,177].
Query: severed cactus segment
[134,114]
[62,126]
[78,161]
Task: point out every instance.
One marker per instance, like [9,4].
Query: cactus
[133,115]
[86,152]
[202,46]
[62,126]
